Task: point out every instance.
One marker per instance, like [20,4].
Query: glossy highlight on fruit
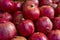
[44,25]
[7,30]
[30,11]
[38,36]
[26,28]
[19,38]
[54,35]
[47,11]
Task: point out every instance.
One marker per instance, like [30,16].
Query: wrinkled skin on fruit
[44,25]
[7,30]
[35,1]
[56,22]
[7,6]
[47,11]
[5,15]
[25,28]
[57,10]
[45,2]
[54,35]
[17,17]
[38,36]
[19,38]
[30,11]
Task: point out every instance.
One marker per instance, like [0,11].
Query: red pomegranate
[35,1]
[5,15]
[44,25]
[45,2]
[30,11]
[55,1]
[25,28]
[56,23]
[7,30]
[57,10]
[7,6]
[38,36]
[47,11]
[54,35]
[17,17]
[19,38]
[18,5]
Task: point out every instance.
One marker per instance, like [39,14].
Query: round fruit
[7,30]
[5,15]
[45,2]
[30,11]
[56,23]
[25,28]
[47,11]
[19,38]
[7,6]
[54,35]
[38,36]
[44,25]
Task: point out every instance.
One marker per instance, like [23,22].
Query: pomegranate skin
[57,12]
[7,30]
[35,1]
[38,36]
[7,6]
[30,11]
[18,5]
[54,35]
[55,1]
[19,38]
[45,2]
[17,17]
[25,28]
[47,11]
[5,15]
[56,23]
[44,25]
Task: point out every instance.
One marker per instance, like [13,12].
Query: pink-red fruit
[38,36]
[25,28]
[44,25]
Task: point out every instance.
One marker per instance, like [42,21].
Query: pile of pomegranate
[29,19]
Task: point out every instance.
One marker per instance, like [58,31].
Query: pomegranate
[38,36]
[45,2]
[56,1]
[19,38]
[54,35]
[35,1]
[17,17]
[56,23]
[57,10]
[7,30]
[5,15]
[7,6]
[25,28]
[30,11]
[44,25]
[18,5]
[47,11]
